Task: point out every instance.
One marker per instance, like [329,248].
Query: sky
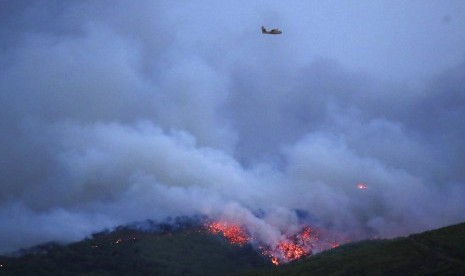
[121,111]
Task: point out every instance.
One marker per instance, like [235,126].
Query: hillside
[437,252]
[126,251]
[185,248]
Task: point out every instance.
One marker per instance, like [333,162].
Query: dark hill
[127,251]
[437,252]
[187,249]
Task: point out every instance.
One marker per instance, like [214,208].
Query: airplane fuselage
[272,31]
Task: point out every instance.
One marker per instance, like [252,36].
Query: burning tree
[289,248]
[232,232]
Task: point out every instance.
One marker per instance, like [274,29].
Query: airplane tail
[263,30]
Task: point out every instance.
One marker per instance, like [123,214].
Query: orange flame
[232,232]
[292,251]
[275,260]
[296,246]
[289,249]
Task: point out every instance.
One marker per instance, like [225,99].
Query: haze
[119,111]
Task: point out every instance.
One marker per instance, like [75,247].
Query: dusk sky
[120,111]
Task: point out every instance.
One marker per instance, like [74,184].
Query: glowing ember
[361,186]
[292,251]
[307,235]
[275,260]
[292,247]
[232,232]
[296,246]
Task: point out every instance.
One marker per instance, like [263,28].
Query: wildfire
[296,246]
[274,261]
[292,251]
[232,232]
[290,248]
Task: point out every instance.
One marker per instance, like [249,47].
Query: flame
[289,248]
[296,246]
[275,261]
[292,251]
[232,232]
[361,186]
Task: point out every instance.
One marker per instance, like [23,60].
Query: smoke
[115,112]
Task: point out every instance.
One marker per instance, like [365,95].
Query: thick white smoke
[117,112]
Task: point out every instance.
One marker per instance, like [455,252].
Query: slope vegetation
[437,252]
[190,250]
[133,252]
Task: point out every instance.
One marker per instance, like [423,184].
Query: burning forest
[289,244]
[305,242]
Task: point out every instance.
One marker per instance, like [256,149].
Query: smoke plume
[117,111]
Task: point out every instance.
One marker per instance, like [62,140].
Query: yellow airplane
[273,31]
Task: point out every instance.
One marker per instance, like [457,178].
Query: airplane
[273,31]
